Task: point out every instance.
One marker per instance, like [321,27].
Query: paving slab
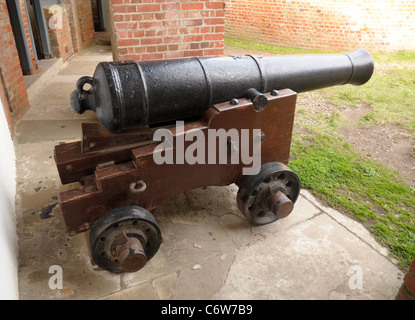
[317,259]
[209,249]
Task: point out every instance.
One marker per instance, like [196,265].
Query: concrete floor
[209,250]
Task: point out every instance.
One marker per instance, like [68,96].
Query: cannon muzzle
[131,93]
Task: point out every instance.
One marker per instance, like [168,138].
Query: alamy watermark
[56,20]
[56,280]
[221,145]
[356,277]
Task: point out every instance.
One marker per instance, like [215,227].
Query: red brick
[162,47]
[192,6]
[150,24]
[126,25]
[174,39]
[193,53]
[119,9]
[137,49]
[148,7]
[152,56]
[218,36]
[127,42]
[173,54]
[138,33]
[213,21]
[171,23]
[151,48]
[215,5]
[204,45]
[193,38]
[195,45]
[170,7]
[130,57]
[146,41]
[173,47]
[213,52]
[192,22]
[150,33]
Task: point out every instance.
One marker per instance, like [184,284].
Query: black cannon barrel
[130,93]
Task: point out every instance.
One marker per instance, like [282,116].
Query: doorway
[37,17]
[27,62]
[100,15]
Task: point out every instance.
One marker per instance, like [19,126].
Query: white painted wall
[8,238]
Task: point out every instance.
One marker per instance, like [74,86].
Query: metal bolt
[234,102]
[261,135]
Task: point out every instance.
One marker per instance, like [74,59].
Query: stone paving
[209,250]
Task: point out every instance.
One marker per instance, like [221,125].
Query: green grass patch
[365,189]
[271,49]
[390,93]
[393,57]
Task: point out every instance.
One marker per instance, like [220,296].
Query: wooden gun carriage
[120,183]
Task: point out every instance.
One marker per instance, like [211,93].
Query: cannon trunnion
[115,163]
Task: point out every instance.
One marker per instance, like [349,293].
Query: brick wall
[74,24]
[81,23]
[25,18]
[377,25]
[164,29]
[86,22]
[60,36]
[13,91]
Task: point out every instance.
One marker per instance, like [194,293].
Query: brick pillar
[407,290]
[25,18]
[81,23]
[163,30]
[60,36]
[13,91]
[86,21]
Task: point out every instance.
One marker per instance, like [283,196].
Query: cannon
[132,94]
[165,127]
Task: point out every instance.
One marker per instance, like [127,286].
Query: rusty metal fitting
[137,187]
[130,253]
[279,204]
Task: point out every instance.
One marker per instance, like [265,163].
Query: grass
[390,92]
[363,188]
[358,186]
[270,49]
